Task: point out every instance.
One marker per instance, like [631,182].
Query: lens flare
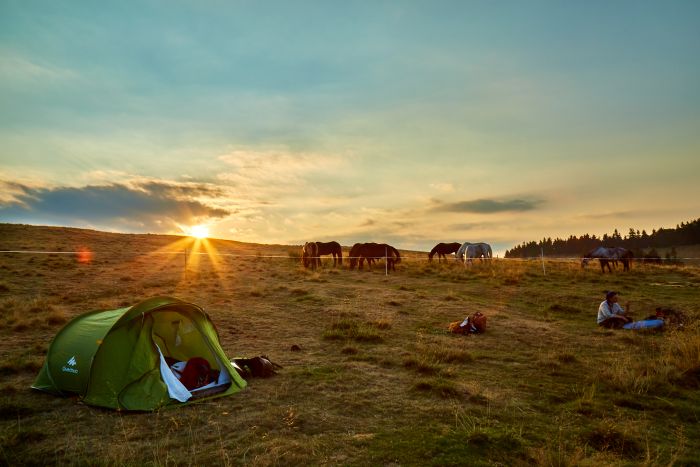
[84,255]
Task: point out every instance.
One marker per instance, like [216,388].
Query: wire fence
[296,256]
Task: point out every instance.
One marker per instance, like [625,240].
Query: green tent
[117,358]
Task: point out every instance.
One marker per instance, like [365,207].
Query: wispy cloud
[283,179]
[465,227]
[490,206]
[275,167]
[617,214]
[20,69]
[368,223]
[443,187]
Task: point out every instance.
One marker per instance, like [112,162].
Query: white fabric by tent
[176,389]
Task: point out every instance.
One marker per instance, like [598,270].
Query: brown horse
[331,248]
[443,249]
[373,252]
[309,255]
[354,256]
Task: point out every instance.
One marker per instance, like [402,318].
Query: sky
[401,122]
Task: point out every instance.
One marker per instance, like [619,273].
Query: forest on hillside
[642,244]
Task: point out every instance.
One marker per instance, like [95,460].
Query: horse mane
[462,250]
[354,254]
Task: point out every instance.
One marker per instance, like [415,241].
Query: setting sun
[199,231]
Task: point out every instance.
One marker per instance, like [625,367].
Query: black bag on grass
[255,367]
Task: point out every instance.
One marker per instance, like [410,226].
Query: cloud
[16,68]
[153,206]
[181,190]
[490,206]
[444,187]
[617,215]
[368,223]
[464,226]
[275,167]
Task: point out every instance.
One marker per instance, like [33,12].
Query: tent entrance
[179,340]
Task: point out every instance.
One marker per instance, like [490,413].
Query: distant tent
[121,358]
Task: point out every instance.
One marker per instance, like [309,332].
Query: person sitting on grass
[610,314]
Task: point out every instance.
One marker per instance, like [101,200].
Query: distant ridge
[15,237]
[41,237]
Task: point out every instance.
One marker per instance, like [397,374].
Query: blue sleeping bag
[644,324]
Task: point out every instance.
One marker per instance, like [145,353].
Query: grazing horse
[330,248]
[469,251]
[354,255]
[625,257]
[443,249]
[309,255]
[373,252]
[608,255]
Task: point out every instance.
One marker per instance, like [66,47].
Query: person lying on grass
[611,314]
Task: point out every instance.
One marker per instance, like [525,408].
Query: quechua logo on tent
[70,366]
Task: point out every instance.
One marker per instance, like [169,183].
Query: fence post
[543,270]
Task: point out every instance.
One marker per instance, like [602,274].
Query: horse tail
[396,252]
[489,251]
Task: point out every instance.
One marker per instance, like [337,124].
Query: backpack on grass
[474,324]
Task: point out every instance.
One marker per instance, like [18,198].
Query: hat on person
[610,294]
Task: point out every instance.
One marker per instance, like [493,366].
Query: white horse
[469,251]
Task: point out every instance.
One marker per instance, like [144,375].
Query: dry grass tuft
[382,324]
[677,361]
[444,353]
[608,437]
[353,330]
[56,317]
[441,387]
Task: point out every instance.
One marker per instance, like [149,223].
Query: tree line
[687,233]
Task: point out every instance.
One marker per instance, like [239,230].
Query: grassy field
[377,380]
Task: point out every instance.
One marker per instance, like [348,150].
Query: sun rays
[188,255]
